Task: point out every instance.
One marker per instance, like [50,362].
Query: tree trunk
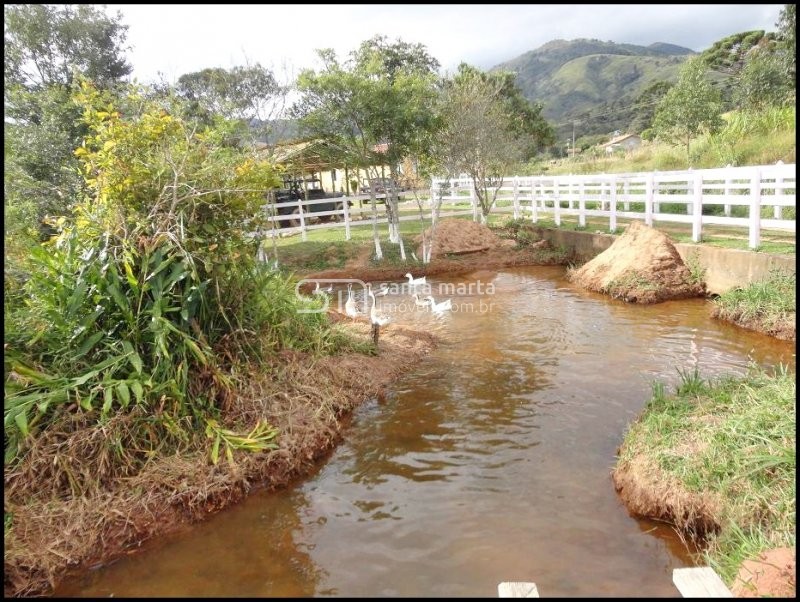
[392,192]
[375,238]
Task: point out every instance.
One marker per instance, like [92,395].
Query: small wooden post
[517,589]
[376,333]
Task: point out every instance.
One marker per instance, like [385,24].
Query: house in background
[625,142]
[316,160]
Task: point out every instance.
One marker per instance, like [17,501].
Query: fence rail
[730,196]
[752,197]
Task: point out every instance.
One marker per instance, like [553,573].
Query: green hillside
[579,80]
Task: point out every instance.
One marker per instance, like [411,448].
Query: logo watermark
[354,297]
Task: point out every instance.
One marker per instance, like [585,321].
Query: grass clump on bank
[768,306]
[717,459]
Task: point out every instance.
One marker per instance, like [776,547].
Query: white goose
[319,291]
[350,307]
[420,302]
[440,308]
[374,316]
[415,281]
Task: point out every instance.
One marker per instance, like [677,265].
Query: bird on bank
[319,291]
[374,316]
[415,281]
[440,308]
[420,302]
[350,307]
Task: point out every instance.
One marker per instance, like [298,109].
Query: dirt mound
[642,266]
[458,237]
[772,574]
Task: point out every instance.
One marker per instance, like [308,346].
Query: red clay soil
[773,574]
[785,328]
[642,266]
[648,492]
[459,237]
[54,533]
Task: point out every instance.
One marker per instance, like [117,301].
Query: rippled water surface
[489,462]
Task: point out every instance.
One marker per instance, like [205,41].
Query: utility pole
[573,139]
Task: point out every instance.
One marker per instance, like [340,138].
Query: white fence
[731,196]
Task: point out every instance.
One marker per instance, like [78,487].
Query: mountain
[591,82]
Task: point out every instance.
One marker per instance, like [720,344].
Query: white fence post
[727,192]
[516,197]
[303,233]
[346,209]
[697,208]
[626,188]
[581,204]
[612,221]
[778,210]
[755,209]
[557,203]
[534,203]
[648,200]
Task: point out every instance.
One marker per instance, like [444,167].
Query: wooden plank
[700,582]
[517,589]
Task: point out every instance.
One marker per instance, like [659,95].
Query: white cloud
[177,39]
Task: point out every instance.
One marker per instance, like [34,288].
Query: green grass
[732,440]
[765,303]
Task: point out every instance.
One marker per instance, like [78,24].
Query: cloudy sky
[177,39]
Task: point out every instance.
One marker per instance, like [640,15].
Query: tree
[787,35]
[403,87]
[46,44]
[250,93]
[381,96]
[486,129]
[762,82]
[690,107]
[333,108]
[46,47]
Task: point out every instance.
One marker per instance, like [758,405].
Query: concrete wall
[725,268]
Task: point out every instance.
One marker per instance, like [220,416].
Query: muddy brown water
[489,462]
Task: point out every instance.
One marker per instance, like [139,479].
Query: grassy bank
[768,306]
[717,459]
